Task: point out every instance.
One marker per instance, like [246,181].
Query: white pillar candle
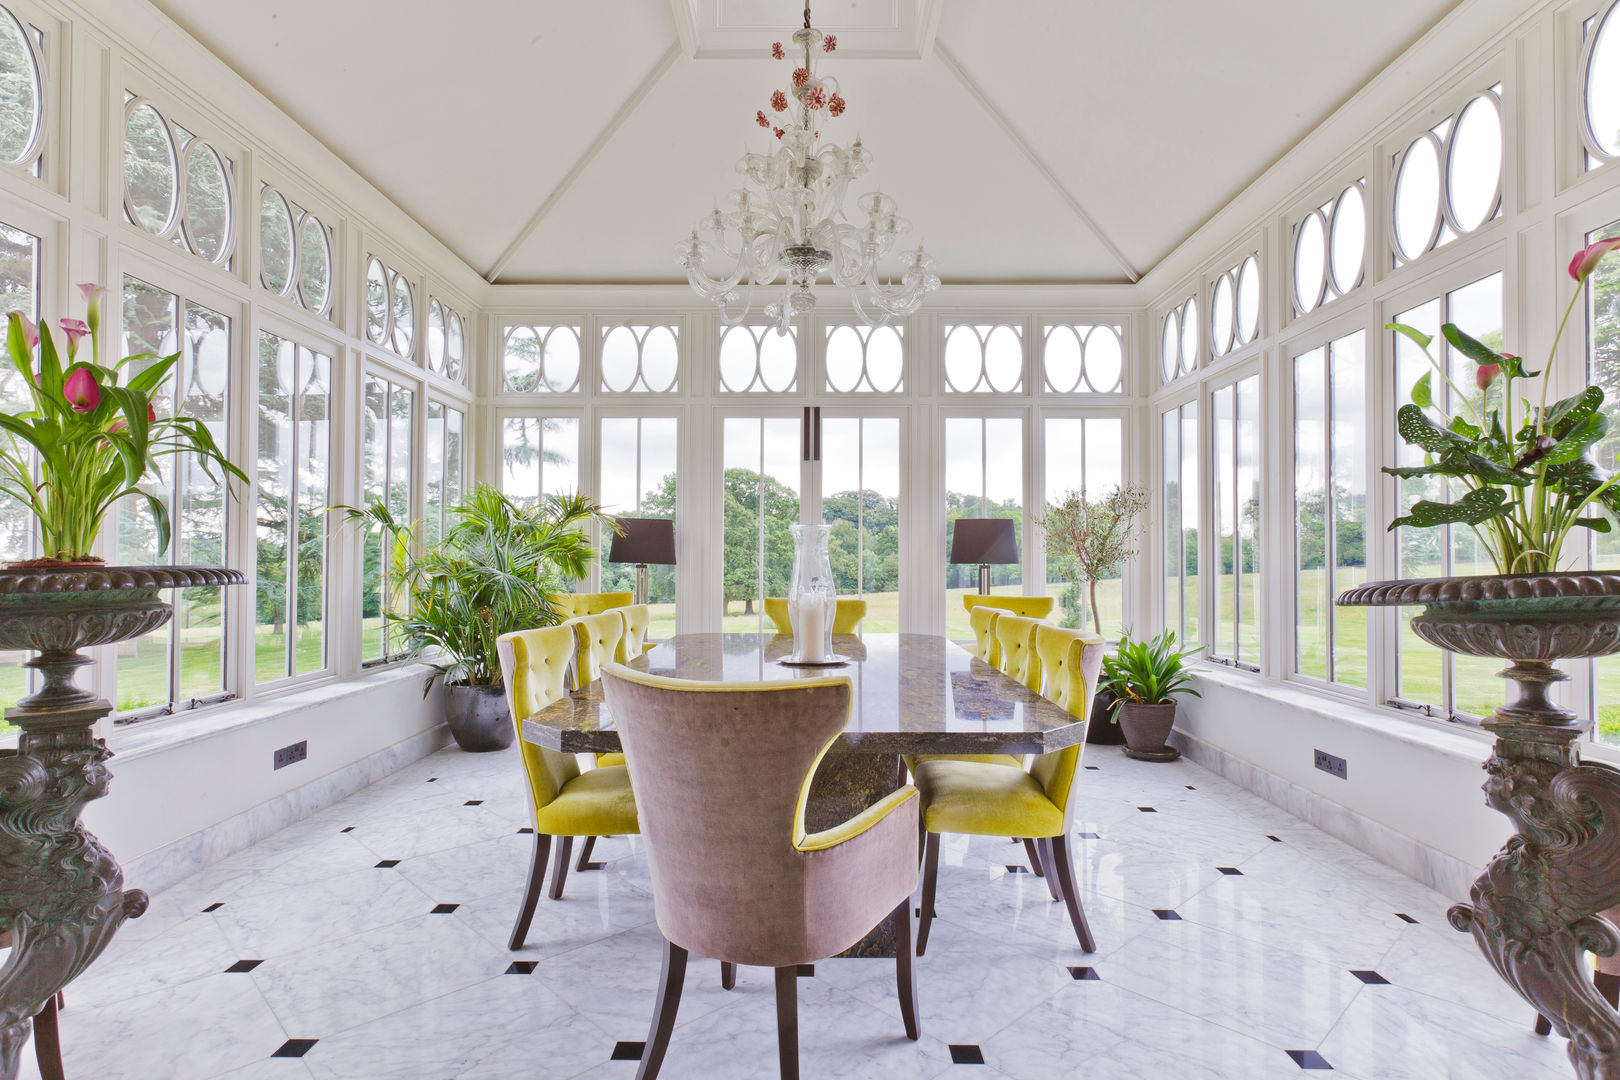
[812,629]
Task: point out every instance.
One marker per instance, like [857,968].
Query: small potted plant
[1144,677]
[491,573]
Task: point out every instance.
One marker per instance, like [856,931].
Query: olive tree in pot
[491,573]
[1143,677]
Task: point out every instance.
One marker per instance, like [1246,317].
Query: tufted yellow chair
[573,605]
[983,620]
[567,803]
[634,641]
[598,639]
[1015,636]
[1030,607]
[981,800]
[847,615]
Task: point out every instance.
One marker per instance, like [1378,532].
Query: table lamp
[642,541]
[984,541]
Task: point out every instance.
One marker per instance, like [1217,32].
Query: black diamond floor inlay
[966,1054]
[1404,917]
[525,832]
[473,802]
[1309,1059]
[1230,871]
[349,829]
[1191,788]
[1278,839]
[1082,974]
[807,971]
[432,779]
[627,1051]
[1147,809]
[387,864]
[522,967]
[1011,869]
[443,909]
[294,1048]
[215,906]
[242,967]
[1167,914]
[1089,836]
[1094,768]
[1371,978]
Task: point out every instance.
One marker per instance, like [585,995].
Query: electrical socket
[288,755]
[1334,766]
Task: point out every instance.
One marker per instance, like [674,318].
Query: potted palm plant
[491,573]
[1144,677]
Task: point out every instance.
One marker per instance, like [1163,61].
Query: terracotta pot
[1146,727]
[1103,731]
[478,718]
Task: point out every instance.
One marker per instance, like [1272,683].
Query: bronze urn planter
[1145,728]
[1534,912]
[62,894]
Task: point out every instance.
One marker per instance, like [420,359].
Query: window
[638,479]
[1600,87]
[1448,180]
[640,359]
[541,360]
[294,455]
[19,291]
[1234,308]
[446,342]
[984,359]
[1179,342]
[984,478]
[295,252]
[860,499]
[1440,683]
[539,456]
[1330,509]
[388,416]
[1235,629]
[1603,368]
[1083,358]
[22,94]
[1179,433]
[443,476]
[177,186]
[390,307]
[1330,249]
[761,457]
[758,359]
[865,359]
[1084,454]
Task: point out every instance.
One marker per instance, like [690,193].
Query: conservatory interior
[592,595]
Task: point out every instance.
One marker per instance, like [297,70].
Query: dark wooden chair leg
[1031,849]
[48,1041]
[930,880]
[584,862]
[787,1021]
[531,892]
[663,1021]
[1044,846]
[1059,847]
[905,973]
[1543,1025]
[559,866]
[728,976]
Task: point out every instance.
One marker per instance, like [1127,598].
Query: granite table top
[914,694]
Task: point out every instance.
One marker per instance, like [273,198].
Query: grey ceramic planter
[478,717]
[1146,727]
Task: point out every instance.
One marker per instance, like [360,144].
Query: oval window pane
[455,349]
[1474,169]
[275,242]
[964,360]
[150,180]
[208,202]
[621,356]
[404,315]
[19,75]
[435,338]
[561,365]
[1310,262]
[1417,198]
[376,302]
[885,360]
[738,359]
[314,263]
[520,360]
[1189,334]
[1170,346]
[1222,316]
[843,360]
[660,359]
[1603,85]
[1105,360]
[1348,245]
[1248,300]
[1003,360]
[1063,360]
[211,360]
[778,361]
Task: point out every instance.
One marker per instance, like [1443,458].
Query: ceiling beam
[928,13]
[1028,151]
[685,26]
[603,137]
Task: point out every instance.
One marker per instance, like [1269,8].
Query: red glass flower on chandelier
[829,43]
[816,98]
[778,101]
[800,76]
[836,105]
[778,132]
[776,50]
[761,119]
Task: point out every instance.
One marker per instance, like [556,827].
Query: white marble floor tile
[192,949]
[1445,963]
[472,871]
[1141,874]
[330,909]
[424,832]
[1339,928]
[594,906]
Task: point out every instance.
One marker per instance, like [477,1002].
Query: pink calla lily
[30,329]
[1586,260]
[74,329]
[1486,374]
[81,390]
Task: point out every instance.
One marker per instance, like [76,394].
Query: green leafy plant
[1094,537]
[89,441]
[492,572]
[1147,672]
[1527,478]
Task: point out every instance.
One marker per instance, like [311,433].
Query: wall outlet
[1335,766]
[287,755]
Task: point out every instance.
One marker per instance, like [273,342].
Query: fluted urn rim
[40,581]
[1567,585]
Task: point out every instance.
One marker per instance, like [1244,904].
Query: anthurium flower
[74,329]
[1587,258]
[81,390]
[1486,374]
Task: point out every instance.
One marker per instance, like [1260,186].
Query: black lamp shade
[644,540]
[984,540]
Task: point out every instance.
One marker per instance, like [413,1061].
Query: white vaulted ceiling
[1037,140]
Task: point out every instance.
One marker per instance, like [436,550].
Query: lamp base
[641,583]
[984,579]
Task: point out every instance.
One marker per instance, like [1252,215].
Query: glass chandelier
[788,217]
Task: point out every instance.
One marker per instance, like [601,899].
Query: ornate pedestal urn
[62,894]
[1534,911]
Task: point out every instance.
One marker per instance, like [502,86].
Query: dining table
[912,694]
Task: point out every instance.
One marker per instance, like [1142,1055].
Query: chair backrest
[1071,661]
[722,773]
[1019,660]
[776,610]
[846,617]
[1030,607]
[983,621]
[534,667]
[634,642]
[572,605]
[598,638]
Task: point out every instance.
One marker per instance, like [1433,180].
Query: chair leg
[663,1021]
[1543,1025]
[559,866]
[1044,846]
[787,1021]
[905,975]
[1059,847]
[584,862]
[531,892]
[728,976]
[930,880]
[1034,857]
[48,1041]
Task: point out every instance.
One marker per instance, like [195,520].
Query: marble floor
[369,941]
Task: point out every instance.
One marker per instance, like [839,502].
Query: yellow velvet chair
[986,647]
[567,803]
[598,639]
[1030,607]
[637,617]
[847,615]
[1038,805]
[573,605]
[1015,637]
